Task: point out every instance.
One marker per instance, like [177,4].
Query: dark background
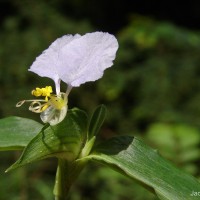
[112,15]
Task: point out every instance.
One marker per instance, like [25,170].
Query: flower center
[40,105]
[58,101]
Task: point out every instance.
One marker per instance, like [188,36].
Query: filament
[37,107]
[20,103]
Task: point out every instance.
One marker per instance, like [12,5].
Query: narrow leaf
[63,140]
[136,160]
[17,132]
[97,120]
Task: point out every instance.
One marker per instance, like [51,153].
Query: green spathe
[63,140]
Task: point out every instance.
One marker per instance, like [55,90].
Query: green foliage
[33,182]
[16,132]
[134,159]
[64,140]
[105,183]
[96,121]
[125,154]
[155,77]
[176,139]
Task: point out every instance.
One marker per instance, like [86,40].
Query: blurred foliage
[34,182]
[179,140]
[155,77]
[104,183]
[152,90]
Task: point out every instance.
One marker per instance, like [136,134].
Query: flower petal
[77,59]
[47,63]
[85,58]
[53,116]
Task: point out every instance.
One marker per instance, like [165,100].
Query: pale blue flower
[73,59]
[76,59]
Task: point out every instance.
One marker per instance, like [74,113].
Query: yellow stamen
[45,92]
[40,105]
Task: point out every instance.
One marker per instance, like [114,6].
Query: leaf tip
[8,170]
[12,167]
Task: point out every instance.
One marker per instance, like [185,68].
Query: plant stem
[66,174]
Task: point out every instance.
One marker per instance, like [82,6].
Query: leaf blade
[16,132]
[134,159]
[63,140]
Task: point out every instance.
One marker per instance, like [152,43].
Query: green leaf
[16,132]
[63,140]
[96,121]
[136,160]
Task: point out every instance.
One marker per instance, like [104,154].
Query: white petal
[62,41]
[47,63]
[53,116]
[77,59]
[85,58]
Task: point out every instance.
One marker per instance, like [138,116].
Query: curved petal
[85,58]
[47,63]
[76,59]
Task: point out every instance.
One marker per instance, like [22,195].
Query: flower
[73,59]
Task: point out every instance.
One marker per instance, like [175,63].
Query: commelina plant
[70,135]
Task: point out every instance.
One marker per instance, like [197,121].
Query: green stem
[67,173]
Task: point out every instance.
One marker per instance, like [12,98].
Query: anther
[20,103]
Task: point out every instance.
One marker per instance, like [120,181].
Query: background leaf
[97,120]
[63,140]
[16,132]
[134,159]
